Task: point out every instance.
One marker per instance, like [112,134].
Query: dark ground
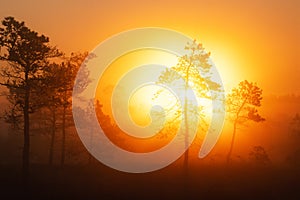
[96,181]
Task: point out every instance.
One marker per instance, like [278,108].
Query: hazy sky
[256,40]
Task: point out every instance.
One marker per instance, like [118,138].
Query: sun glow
[147,103]
[126,63]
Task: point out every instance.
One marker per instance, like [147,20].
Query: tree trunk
[63,147]
[26,147]
[51,150]
[234,130]
[186,139]
[92,145]
[232,142]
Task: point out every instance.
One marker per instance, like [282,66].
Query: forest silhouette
[43,157]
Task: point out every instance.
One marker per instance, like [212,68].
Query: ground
[95,181]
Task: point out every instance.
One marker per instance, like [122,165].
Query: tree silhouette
[259,155]
[69,71]
[53,80]
[295,124]
[26,55]
[241,104]
[194,68]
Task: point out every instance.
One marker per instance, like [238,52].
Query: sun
[149,102]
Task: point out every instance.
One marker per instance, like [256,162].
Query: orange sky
[255,40]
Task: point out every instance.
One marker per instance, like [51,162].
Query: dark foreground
[96,181]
